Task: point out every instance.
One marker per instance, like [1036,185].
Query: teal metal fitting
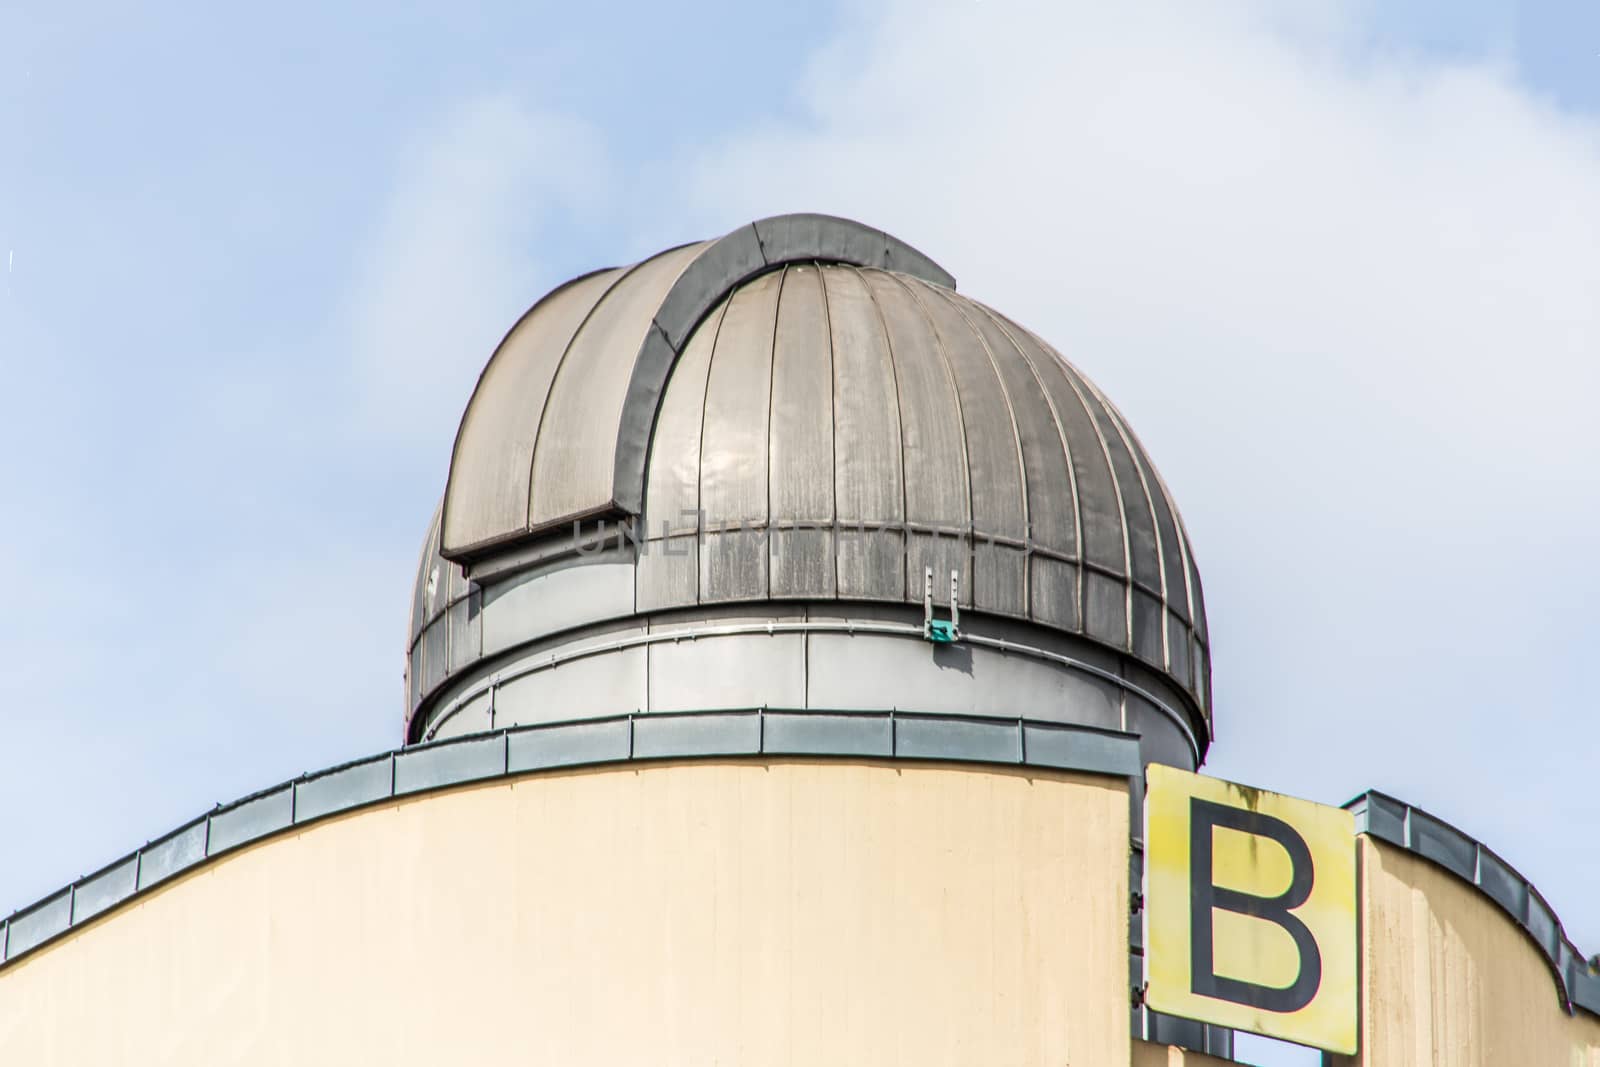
[941,631]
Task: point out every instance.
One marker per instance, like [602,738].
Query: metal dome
[805,411]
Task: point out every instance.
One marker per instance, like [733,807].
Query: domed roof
[806,409]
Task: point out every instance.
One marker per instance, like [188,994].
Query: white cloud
[1346,294]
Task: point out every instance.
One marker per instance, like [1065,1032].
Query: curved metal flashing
[726,264]
[554,659]
[1398,823]
[548,746]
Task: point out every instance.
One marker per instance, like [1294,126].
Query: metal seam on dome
[510,529]
[1160,493]
[801,460]
[961,422]
[1144,465]
[1197,623]
[717,268]
[1138,469]
[752,311]
[1136,444]
[833,435]
[630,458]
[935,529]
[700,457]
[1072,473]
[1142,458]
[900,425]
[761,243]
[700,447]
[566,350]
[419,620]
[1116,487]
[430,545]
[1183,548]
[434,541]
[1068,375]
[1166,502]
[831,241]
[1123,517]
[455,445]
[772,375]
[594,539]
[1022,460]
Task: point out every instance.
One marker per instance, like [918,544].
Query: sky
[1336,262]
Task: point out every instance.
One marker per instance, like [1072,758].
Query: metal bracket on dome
[941,631]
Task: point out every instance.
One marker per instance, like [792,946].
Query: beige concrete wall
[1450,981]
[1147,1054]
[698,914]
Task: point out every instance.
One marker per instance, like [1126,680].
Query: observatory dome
[778,436]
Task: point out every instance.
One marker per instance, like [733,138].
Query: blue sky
[1335,261]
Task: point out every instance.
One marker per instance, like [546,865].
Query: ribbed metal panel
[812,430]
[801,441]
[1099,498]
[933,446]
[868,476]
[669,575]
[993,453]
[733,445]
[573,458]
[493,458]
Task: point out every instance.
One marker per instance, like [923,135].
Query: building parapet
[520,750]
[1404,826]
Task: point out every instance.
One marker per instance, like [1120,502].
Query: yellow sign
[1250,910]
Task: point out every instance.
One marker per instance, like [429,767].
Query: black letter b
[1205,896]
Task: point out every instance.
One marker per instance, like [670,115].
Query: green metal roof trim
[549,746]
[1398,823]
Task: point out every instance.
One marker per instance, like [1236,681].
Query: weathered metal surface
[728,672]
[493,457]
[1099,500]
[933,445]
[100,891]
[669,571]
[522,457]
[533,605]
[821,428]
[801,440]
[720,268]
[575,454]
[733,450]
[869,478]
[997,497]
[250,819]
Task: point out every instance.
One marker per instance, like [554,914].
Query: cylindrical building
[721,478]
[786,658]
